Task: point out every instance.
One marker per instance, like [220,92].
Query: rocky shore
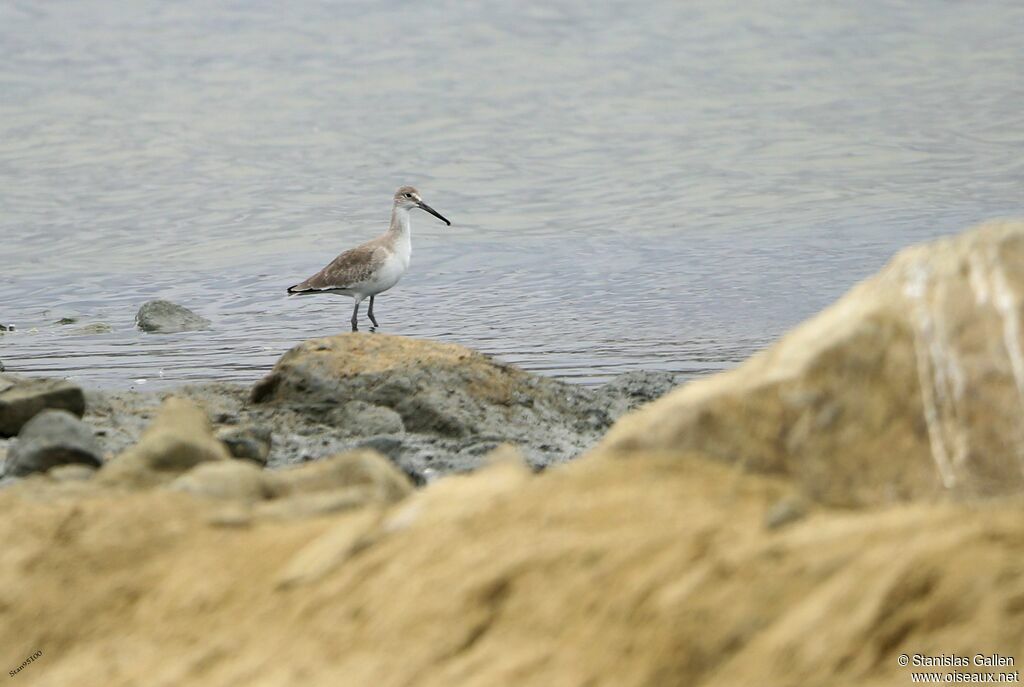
[433,409]
[371,511]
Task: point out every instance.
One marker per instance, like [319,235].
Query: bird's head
[407,198]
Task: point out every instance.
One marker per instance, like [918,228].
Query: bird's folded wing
[348,269]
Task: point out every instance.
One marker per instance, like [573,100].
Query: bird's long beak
[435,213]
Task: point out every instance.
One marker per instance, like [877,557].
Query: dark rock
[67,320]
[164,317]
[22,398]
[1,366]
[250,443]
[52,438]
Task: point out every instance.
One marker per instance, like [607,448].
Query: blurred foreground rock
[910,386]
[180,438]
[653,571]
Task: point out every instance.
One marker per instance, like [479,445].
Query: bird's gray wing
[348,269]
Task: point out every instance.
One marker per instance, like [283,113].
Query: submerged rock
[164,317]
[910,386]
[22,398]
[52,438]
[94,328]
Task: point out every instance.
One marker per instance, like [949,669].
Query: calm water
[658,185]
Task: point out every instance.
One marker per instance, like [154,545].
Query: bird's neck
[400,223]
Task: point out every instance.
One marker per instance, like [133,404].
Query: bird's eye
[408,195]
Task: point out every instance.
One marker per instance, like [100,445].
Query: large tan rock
[912,385]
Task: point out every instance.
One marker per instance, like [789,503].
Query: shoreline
[305,428]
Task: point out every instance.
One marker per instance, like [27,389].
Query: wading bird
[375,266]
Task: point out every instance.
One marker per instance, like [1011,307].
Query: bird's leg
[370,313]
[355,318]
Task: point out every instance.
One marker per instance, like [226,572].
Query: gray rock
[251,443]
[392,447]
[22,398]
[164,317]
[640,387]
[52,438]
[358,418]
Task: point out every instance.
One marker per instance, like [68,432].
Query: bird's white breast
[403,250]
[391,268]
